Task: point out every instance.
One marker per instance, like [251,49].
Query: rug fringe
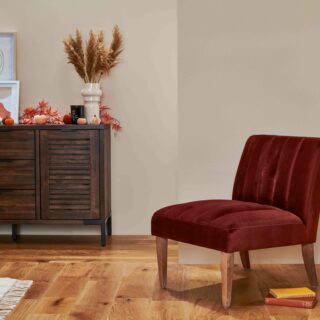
[13,297]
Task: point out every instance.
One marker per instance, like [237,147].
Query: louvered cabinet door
[69,174]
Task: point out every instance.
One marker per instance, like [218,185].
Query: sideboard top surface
[67,127]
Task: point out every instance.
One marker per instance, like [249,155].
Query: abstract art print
[9,100]
[7,56]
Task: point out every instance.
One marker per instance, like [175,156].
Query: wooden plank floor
[77,279]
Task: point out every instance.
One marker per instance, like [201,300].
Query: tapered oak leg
[245,259]
[308,258]
[162,254]
[226,266]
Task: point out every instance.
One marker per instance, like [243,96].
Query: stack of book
[292,297]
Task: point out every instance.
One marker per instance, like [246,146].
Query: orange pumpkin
[8,121]
[67,119]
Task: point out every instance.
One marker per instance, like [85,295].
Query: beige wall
[142,92]
[245,67]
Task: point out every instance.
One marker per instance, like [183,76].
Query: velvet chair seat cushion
[229,225]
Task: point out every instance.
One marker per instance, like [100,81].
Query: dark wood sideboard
[55,174]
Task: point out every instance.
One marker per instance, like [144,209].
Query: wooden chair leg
[162,254]
[245,259]
[308,258]
[227,260]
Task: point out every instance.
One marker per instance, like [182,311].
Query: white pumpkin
[82,121]
[40,119]
[95,120]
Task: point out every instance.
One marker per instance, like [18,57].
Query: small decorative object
[92,63]
[107,118]
[43,108]
[8,121]
[95,120]
[76,113]
[67,119]
[40,119]
[9,99]
[82,121]
[7,56]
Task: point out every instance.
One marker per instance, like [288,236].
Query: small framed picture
[9,99]
[8,50]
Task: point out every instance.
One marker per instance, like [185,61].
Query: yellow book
[292,293]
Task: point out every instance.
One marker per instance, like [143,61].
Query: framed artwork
[9,99]
[8,50]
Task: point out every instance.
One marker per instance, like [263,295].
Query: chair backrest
[283,172]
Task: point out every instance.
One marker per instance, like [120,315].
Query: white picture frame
[8,56]
[9,99]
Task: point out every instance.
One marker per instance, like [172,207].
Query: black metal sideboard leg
[14,232]
[109,226]
[103,233]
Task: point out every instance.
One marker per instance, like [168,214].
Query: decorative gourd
[40,119]
[67,119]
[8,121]
[95,120]
[82,121]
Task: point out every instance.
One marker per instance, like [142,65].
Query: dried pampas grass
[96,60]
[115,48]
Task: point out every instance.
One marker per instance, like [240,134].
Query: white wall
[142,92]
[245,67]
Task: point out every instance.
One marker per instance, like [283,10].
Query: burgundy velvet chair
[275,202]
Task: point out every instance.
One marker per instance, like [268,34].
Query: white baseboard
[53,230]
[189,254]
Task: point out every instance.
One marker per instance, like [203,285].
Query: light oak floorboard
[76,279]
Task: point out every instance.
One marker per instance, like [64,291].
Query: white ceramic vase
[91,98]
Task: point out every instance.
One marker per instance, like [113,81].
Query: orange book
[292,292]
[308,302]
